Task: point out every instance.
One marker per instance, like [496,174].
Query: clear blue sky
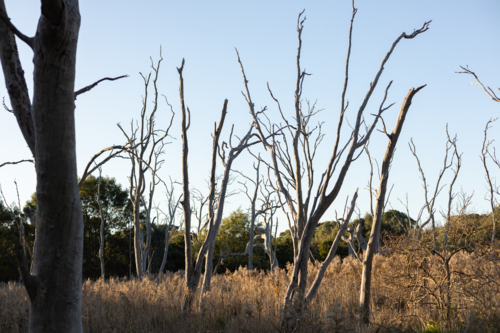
[118,38]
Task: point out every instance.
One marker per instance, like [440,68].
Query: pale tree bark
[193,269]
[493,189]
[430,201]
[264,230]
[364,299]
[253,213]
[173,206]
[333,249]
[451,195]
[101,231]
[148,143]
[54,285]
[356,233]
[291,158]
[268,206]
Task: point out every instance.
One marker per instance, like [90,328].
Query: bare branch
[21,161]
[492,187]
[488,91]
[89,87]
[28,40]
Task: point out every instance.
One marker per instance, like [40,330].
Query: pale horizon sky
[119,38]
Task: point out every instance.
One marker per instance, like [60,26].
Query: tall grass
[407,296]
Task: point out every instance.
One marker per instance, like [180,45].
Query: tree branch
[87,88]
[28,40]
[30,282]
[21,161]
[490,93]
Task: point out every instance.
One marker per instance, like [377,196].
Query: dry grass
[408,296]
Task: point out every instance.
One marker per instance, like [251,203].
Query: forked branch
[488,90]
[28,40]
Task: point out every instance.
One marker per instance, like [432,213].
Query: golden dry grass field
[413,291]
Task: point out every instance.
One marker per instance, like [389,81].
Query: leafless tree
[253,213]
[149,143]
[101,215]
[193,269]
[430,201]
[488,91]
[451,195]
[268,206]
[172,206]
[54,284]
[291,159]
[264,229]
[493,189]
[372,247]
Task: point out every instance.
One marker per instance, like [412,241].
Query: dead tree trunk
[379,207]
[492,188]
[193,270]
[265,231]
[148,143]
[253,214]
[296,151]
[173,205]
[48,126]
[101,231]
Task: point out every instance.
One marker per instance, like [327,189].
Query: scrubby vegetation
[414,291]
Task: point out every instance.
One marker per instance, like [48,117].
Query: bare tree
[264,229]
[372,247]
[145,158]
[253,212]
[430,201]
[292,158]
[492,187]
[451,195]
[172,206]
[101,215]
[488,91]
[193,269]
[268,206]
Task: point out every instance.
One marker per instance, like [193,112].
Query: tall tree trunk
[165,252]
[54,287]
[101,231]
[366,276]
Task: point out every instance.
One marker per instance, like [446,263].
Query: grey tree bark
[145,157]
[48,126]
[101,231]
[296,152]
[492,188]
[173,205]
[379,207]
[193,269]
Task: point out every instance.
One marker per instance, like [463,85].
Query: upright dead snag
[493,189]
[364,299]
[148,143]
[292,157]
[193,270]
[173,205]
